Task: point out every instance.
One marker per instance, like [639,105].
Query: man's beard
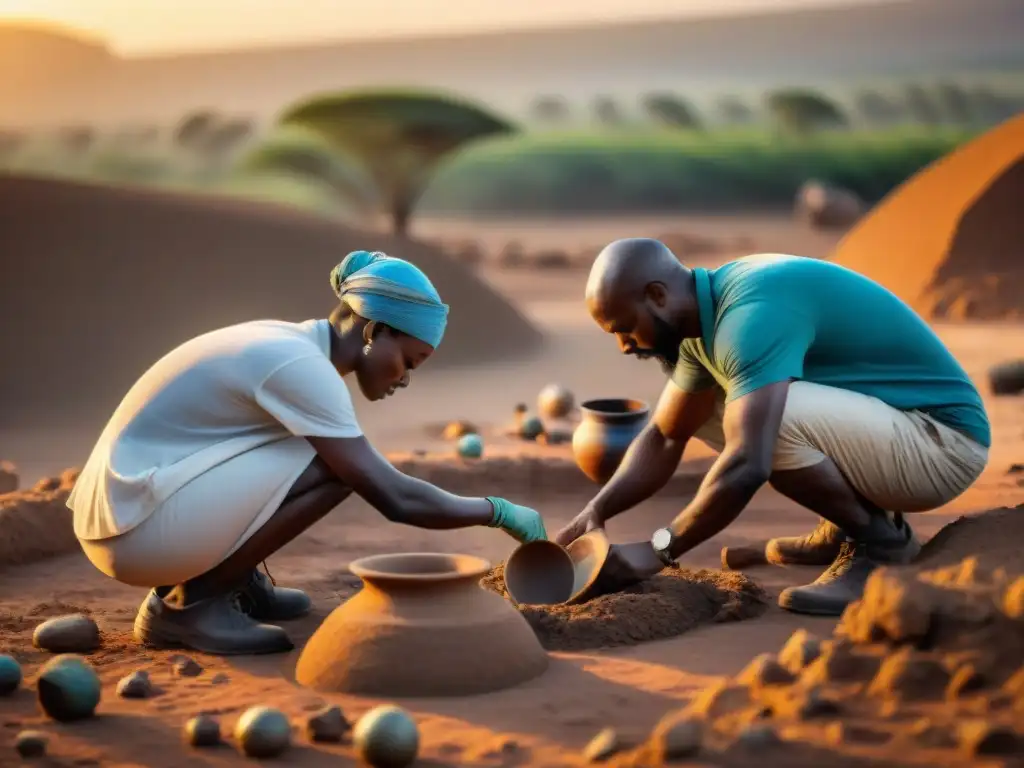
[666,346]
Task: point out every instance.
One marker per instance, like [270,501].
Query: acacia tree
[802,111]
[398,137]
[301,152]
[876,108]
[550,109]
[734,111]
[607,111]
[669,109]
[921,105]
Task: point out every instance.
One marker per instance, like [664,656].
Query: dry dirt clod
[892,606]
[202,731]
[839,733]
[839,662]
[800,650]
[757,736]
[764,671]
[814,704]
[909,676]
[932,735]
[719,699]
[602,746]
[187,667]
[329,725]
[31,744]
[76,633]
[219,679]
[1013,600]
[966,680]
[137,685]
[979,737]
[677,736]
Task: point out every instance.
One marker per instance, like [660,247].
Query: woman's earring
[366,349]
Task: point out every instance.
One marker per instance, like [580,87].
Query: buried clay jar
[606,429]
[417,628]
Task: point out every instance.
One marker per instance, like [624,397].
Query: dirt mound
[995,538]
[948,241]
[36,523]
[101,282]
[673,602]
[929,663]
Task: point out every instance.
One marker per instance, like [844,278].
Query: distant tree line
[800,110]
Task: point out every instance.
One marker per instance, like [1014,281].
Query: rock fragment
[800,650]
[328,725]
[186,666]
[981,737]
[137,685]
[764,671]
[910,676]
[202,731]
[10,674]
[677,736]
[30,744]
[76,633]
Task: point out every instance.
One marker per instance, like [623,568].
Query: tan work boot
[820,547]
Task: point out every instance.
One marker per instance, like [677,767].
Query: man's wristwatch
[661,543]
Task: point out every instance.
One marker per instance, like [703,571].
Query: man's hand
[585,522]
[629,564]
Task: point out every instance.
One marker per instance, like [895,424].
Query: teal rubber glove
[521,523]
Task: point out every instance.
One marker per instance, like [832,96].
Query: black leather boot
[216,626]
[261,599]
[889,542]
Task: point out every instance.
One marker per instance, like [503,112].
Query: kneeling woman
[237,441]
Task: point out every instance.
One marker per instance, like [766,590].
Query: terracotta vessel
[606,429]
[421,626]
[544,573]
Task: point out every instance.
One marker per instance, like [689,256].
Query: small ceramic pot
[606,429]
[544,573]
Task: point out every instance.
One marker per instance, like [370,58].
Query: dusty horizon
[130,30]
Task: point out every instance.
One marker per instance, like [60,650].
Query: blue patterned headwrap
[391,291]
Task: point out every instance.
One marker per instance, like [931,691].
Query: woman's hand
[521,523]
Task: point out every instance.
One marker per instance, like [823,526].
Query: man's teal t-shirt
[769,318]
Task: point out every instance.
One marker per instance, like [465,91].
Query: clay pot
[544,573]
[421,626]
[606,429]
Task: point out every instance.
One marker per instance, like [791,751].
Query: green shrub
[674,170]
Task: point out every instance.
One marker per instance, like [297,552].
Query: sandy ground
[543,722]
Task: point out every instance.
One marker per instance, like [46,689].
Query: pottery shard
[8,477]
[76,633]
[677,736]
[1013,600]
[965,680]
[602,746]
[718,700]
[764,671]
[187,667]
[981,737]
[839,662]
[910,676]
[800,650]
[137,685]
[329,725]
[31,744]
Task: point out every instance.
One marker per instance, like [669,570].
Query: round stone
[263,732]
[68,688]
[471,446]
[387,737]
[10,674]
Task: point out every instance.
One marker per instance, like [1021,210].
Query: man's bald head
[640,293]
[624,268]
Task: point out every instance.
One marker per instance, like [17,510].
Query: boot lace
[843,563]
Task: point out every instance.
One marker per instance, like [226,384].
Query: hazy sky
[142,26]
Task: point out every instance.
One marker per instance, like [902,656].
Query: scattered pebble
[10,674]
[263,732]
[531,428]
[932,735]
[677,737]
[800,650]
[137,685]
[846,733]
[202,731]
[219,679]
[68,688]
[470,446]
[980,737]
[187,667]
[758,736]
[387,737]
[839,662]
[555,402]
[329,724]
[719,699]
[910,676]
[76,633]
[602,746]
[763,671]
[31,744]
[816,704]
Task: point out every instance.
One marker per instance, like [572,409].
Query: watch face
[661,539]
